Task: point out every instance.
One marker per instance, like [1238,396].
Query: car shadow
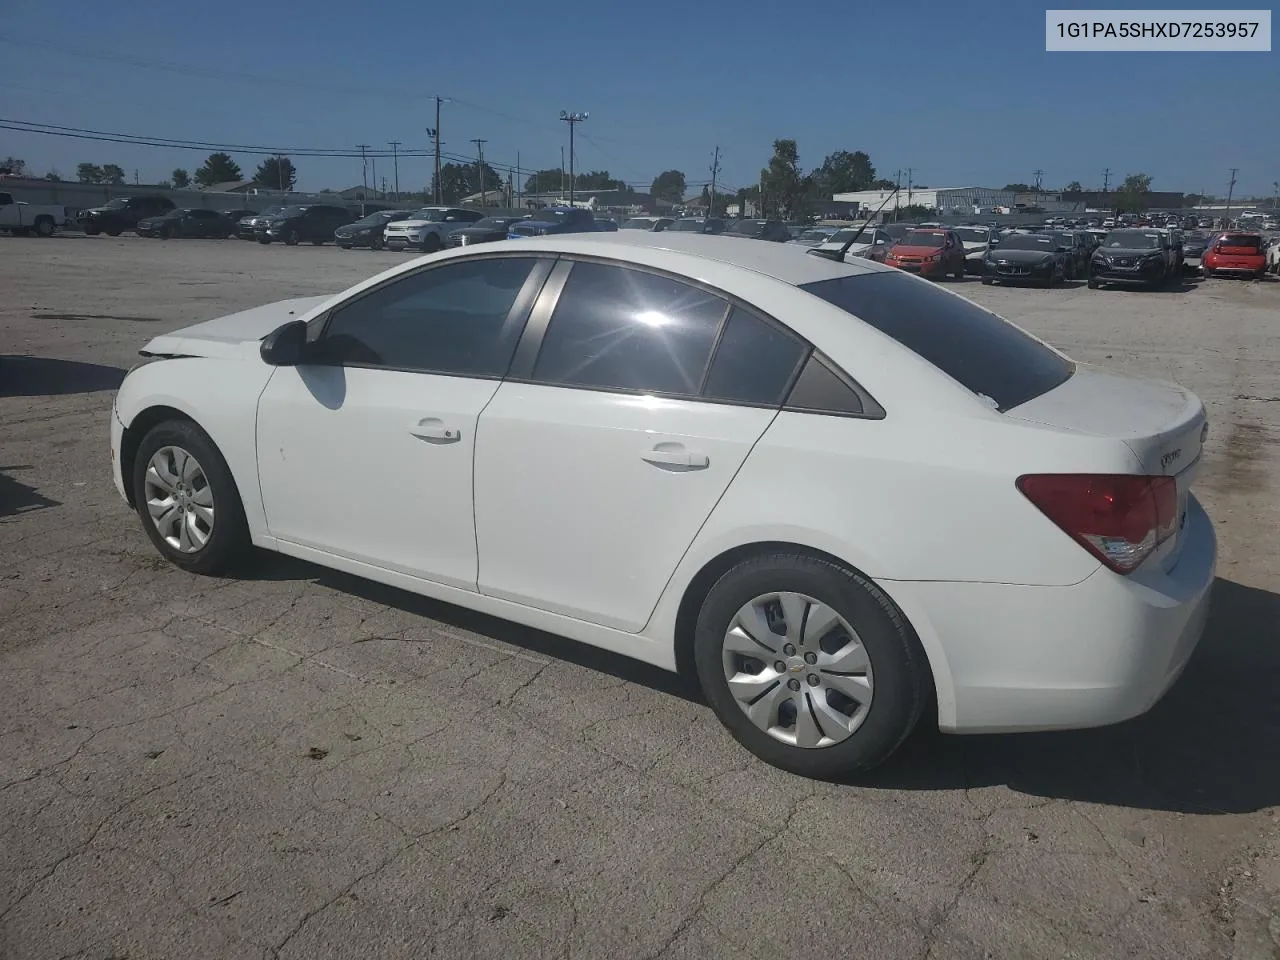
[1208,746]
[27,376]
[273,566]
[16,497]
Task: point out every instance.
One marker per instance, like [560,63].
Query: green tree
[882,184]
[218,168]
[458,180]
[13,166]
[53,176]
[1073,187]
[784,187]
[668,186]
[88,173]
[276,173]
[1017,188]
[844,172]
[180,178]
[1132,197]
[113,174]
[544,181]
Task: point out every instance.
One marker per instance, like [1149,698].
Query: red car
[930,253]
[1241,254]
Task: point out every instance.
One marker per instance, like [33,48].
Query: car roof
[776,260]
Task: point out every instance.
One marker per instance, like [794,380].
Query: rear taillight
[1118,518]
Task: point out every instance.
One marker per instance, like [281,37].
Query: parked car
[652,224]
[122,213]
[699,225]
[1132,256]
[814,236]
[1235,254]
[930,253]
[872,243]
[488,230]
[1077,252]
[1025,258]
[247,226]
[315,222]
[773,230]
[976,242]
[972,524]
[553,220]
[369,231]
[606,225]
[21,218]
[187,222]
[1193,245]
[235,216]
[429,229]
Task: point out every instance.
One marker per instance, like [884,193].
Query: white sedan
[831,491]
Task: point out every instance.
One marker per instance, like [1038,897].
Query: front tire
[44,226]
[1093,283]
[809,665]
[113,231]
[431,243]
[291,238]
[187,499]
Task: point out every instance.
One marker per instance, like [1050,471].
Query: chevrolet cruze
[830,491]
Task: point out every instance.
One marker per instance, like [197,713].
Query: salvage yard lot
[297,763]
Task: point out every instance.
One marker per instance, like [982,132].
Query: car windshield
[430,215]
[494,223]
[814,236]
[750,228]
[1028,241]
[638,223]
[1132,240]
[844,236]
[973,346]
[119,203]
[973,234]
[918,238]
[1240,240]
[293,211]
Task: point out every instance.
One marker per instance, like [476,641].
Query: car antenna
[838,255]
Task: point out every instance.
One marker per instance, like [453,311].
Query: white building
[943,200]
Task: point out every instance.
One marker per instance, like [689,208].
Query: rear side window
[754,362]
[629,330]
[986,354]
[1240,241]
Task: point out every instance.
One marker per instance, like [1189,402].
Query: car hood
[1020,256]
[409,224]
[1128,252]
[227,336]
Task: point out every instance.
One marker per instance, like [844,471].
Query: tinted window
[1241,241]
[754,361]
[450,319]
[991,357]
[819,389]
[614,327]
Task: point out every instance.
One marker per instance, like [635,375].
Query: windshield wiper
[838,255]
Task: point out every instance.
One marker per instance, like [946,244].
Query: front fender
[221,396]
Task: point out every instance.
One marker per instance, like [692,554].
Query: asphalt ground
[298,764]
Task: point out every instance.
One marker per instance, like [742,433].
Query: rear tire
[44,226]
[863,645]
[172,499]
[1094,284]
[113,231]
[291,238]
[91,231]
[987,281]
[317,243]
[431,243]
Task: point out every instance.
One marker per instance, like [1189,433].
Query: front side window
[456,319]
[624,329]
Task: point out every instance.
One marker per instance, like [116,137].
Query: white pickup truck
[24,219]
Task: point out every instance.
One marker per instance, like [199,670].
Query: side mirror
[285,345]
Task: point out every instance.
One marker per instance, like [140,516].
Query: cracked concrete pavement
[299,764]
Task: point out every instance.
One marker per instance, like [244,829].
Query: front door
[595,473]
[366,452]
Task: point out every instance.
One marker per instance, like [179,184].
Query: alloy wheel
[179,499]
[798,670]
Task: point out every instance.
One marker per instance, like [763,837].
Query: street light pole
[572,119]
[395,162]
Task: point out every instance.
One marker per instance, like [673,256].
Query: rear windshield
[990,356]
[1240,240]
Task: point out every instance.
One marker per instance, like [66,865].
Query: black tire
[375,243]
[898,664]
[317,243]
[1207,272]
[432,243]
[91,231]
[44,226]
[291,238]
[264,239]
[987,281]
[166,233]
[229,539]
[113,231]
[344,246]
[1093,283]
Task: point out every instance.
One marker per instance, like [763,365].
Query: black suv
[313,221]
[121,214]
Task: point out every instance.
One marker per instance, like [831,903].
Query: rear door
[605,450]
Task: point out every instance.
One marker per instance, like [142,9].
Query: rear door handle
[433,430]
[675,455]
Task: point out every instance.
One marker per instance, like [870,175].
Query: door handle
[433,430]
[675,455]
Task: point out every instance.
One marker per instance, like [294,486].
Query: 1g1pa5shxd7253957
[829,490]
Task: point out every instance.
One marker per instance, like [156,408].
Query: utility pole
[519,183]
[897,194]
[373,175]
[395,162]
[1231,189]
[1039,181]
[572,119]
[715,170]
[480,169]
[364,175]
[910,171]
[562,172]
[1106,182]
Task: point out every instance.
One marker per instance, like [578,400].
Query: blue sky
[964,93]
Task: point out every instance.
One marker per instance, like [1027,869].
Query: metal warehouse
[942,199]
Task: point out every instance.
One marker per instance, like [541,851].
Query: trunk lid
[1163,424]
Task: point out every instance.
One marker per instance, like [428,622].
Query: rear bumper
[1024,658]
